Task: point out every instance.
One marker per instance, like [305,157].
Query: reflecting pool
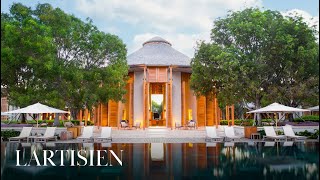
[253,160]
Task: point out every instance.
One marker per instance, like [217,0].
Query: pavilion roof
[158,52]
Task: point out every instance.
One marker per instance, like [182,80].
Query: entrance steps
[157,131]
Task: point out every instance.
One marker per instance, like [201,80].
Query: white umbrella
[277,108]
[315,108]
[37,108]
[4,114]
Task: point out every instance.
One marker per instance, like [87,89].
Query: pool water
[259,160]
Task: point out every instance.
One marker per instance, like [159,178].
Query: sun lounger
[271,134]
[212,134]
[24,134]
[105,135]
[48,135]
[229,132]
[87,134]
[288,131]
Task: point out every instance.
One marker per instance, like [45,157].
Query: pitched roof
[158,52]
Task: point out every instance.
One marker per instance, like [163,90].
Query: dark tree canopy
[52,57]
[261,57]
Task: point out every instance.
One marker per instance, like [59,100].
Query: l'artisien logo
[70,158]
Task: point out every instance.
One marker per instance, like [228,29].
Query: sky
[181,22]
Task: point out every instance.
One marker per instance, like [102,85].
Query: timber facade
[158,70]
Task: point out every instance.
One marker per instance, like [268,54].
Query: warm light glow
[124,114]
[190,145]
[50,117]
[189,114]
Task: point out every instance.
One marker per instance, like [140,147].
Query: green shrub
[307,118]
[77,122]
[262,133]
[225,122]
[238,122]
[9,133]
[308,134]
[266,120]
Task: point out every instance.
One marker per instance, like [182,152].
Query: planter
[248,130]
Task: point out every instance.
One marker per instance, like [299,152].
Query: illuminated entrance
[157,115]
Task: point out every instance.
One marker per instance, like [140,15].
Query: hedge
[9,133]
[307,118]
[310,135]
[246,122]
[75,122]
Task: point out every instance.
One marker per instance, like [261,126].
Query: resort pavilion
[158,92]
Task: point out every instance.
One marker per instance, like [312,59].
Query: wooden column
[144,98]
[213,112]
[232,114]
[184,104]
[99,115]
[219,115]
[86,117]
[130,104]
[228,114]
[170,123]
[183,100]
[216,110]
[109,109]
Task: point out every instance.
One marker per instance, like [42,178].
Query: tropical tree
[80,67]
[213,73]
[268,51]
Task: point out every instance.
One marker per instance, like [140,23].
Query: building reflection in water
[161,160]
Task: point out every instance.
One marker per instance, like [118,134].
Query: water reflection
[158,160]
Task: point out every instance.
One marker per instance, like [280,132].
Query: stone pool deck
[165,135]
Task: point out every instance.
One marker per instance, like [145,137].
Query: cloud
[181,22]
[308,18]
[311,21]
[163,15]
